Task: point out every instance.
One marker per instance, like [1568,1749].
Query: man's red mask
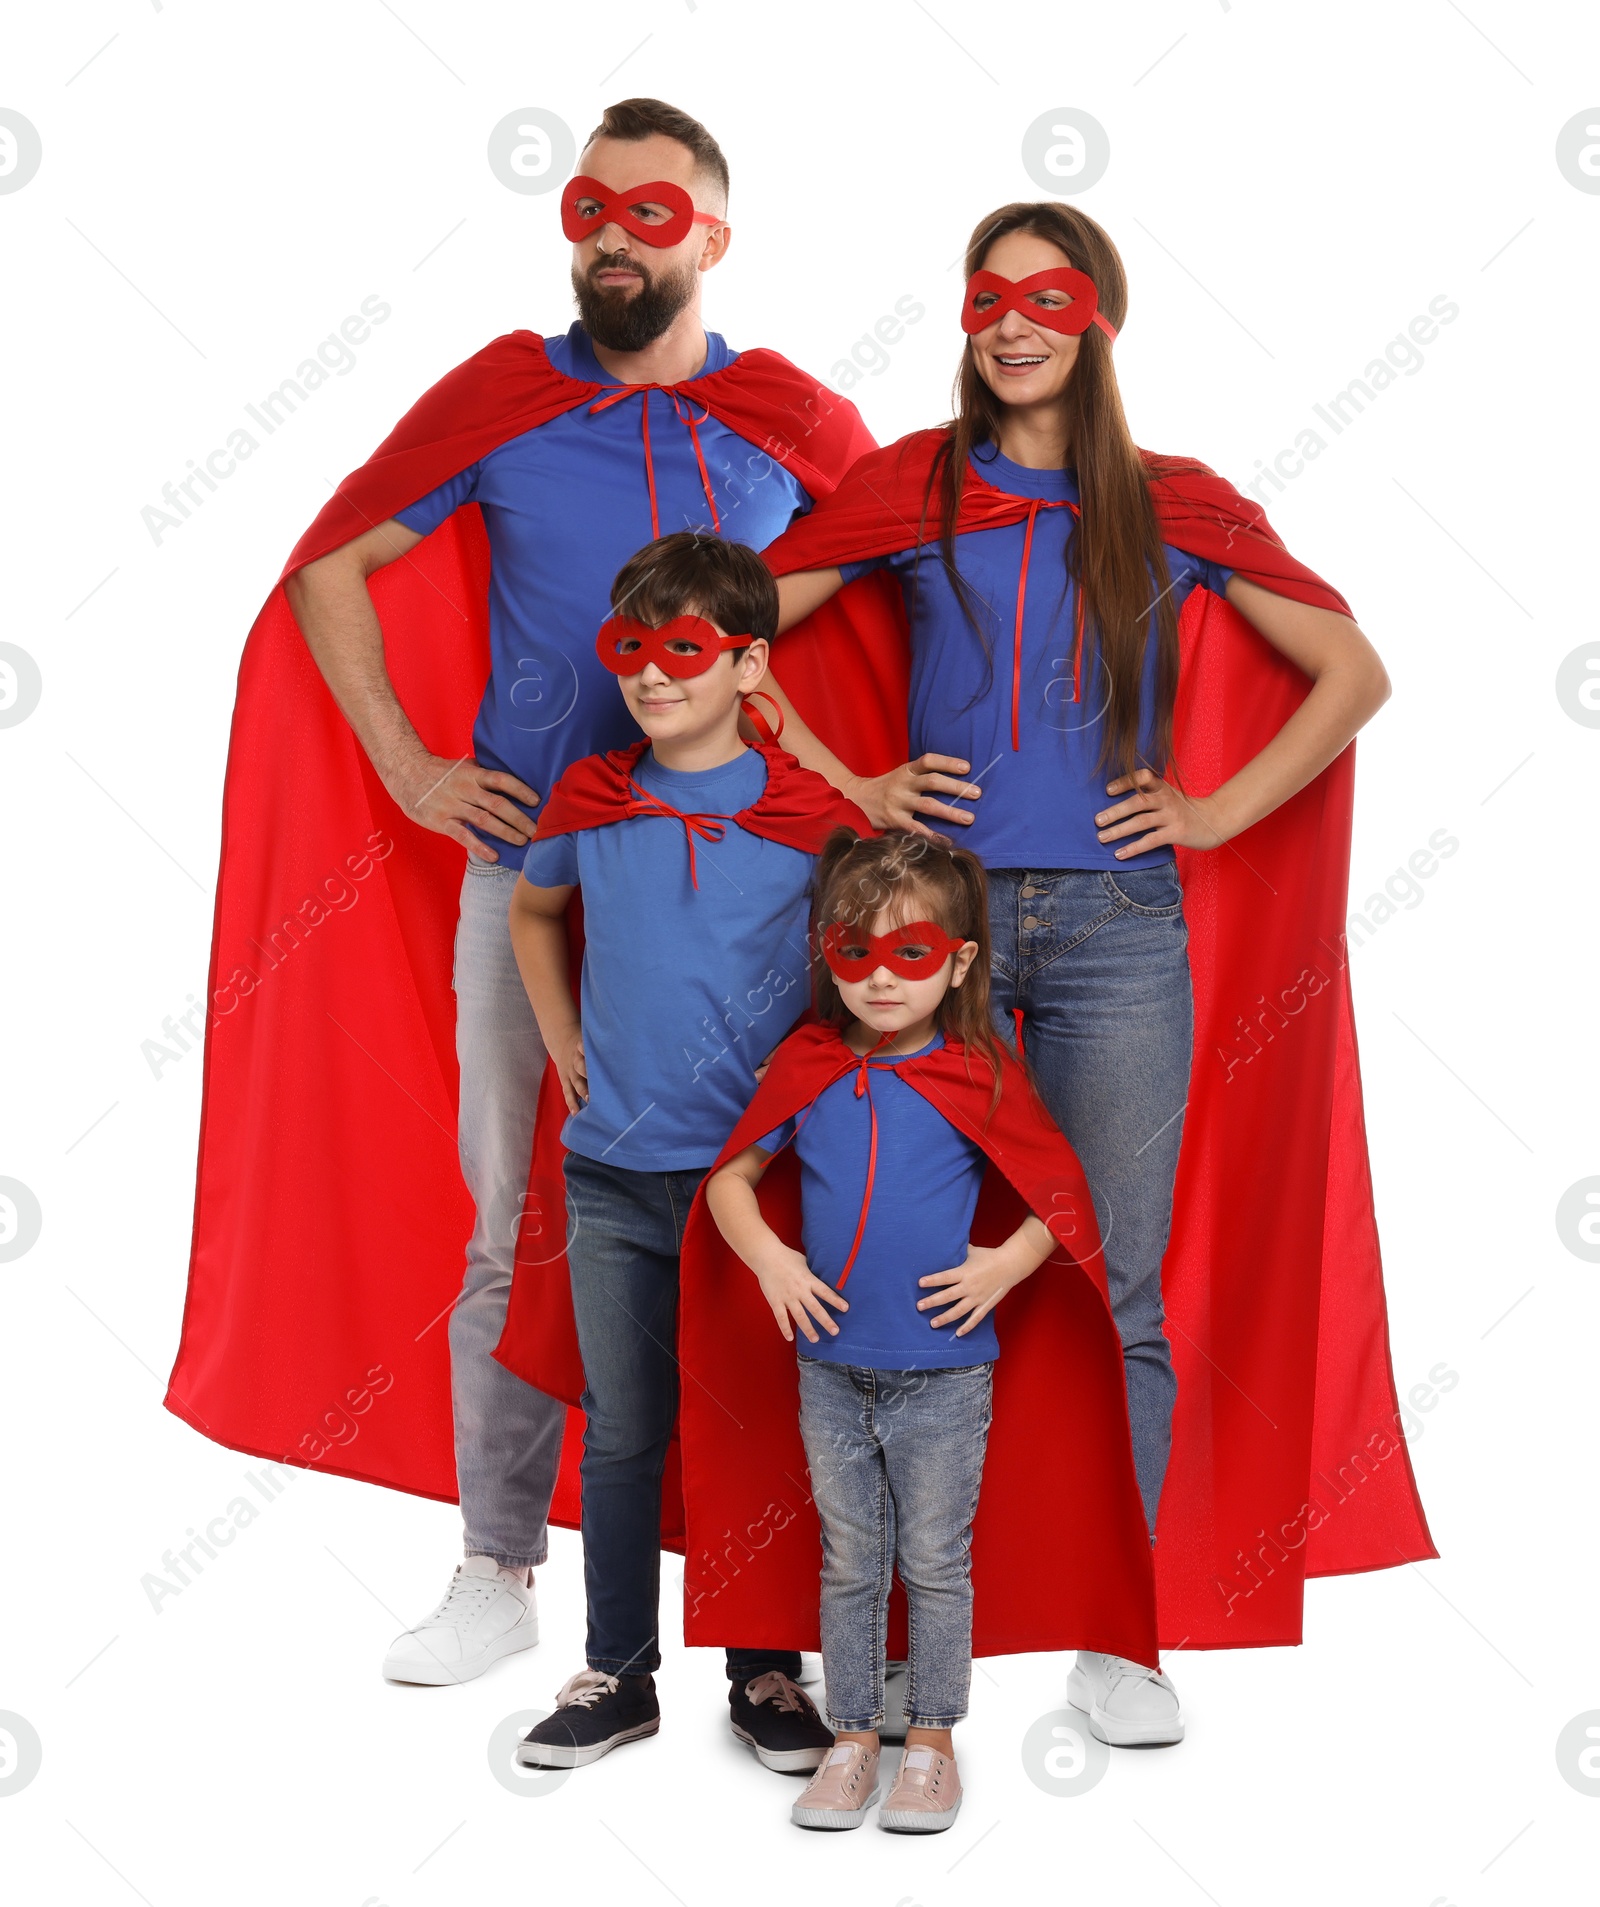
[626,645]
[915,951]
[659,213]
[990,297]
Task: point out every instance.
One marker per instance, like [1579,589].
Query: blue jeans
[508,1435]
[1098,963]
[624,1234]
[896,1458]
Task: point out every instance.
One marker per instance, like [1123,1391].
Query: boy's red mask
[1011,294]
[625,645]
[605,207]
[915,951]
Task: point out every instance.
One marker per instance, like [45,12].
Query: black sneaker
[594,1714]
[780,1722]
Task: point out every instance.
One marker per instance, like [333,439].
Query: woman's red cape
[1060,1551]
[331,1220]
[1288,1457]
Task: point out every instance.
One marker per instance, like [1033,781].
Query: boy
[694,854]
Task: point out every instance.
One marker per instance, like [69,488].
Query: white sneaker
[487,1612]
[895,1721]
[1128,1705]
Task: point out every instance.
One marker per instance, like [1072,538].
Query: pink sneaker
[926,1796]
[841,1790]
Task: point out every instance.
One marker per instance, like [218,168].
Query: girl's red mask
[625,645]
[587,206]
[1012,294]
[915,951]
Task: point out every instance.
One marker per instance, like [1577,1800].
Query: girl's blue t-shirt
[685,989]
[924,1192]
[565,505]
[1039,801]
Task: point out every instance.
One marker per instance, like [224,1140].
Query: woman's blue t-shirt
[924,1192]
[1039,801]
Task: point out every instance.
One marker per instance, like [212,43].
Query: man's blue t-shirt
[1039,801]
[686,990]
[565,506]
[924,1192]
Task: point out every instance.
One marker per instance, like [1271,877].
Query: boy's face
[685,708]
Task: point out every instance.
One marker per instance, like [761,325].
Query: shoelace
[466,1598]
[1119,1668]
[775,1687]
[585,1688]
[685,415]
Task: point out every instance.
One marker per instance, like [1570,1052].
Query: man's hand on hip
[454,797]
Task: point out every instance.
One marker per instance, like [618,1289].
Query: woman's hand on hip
[1154,814]
[902,797]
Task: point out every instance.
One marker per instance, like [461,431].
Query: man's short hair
[688,574]
[639,118]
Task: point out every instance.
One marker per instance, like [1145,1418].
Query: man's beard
[628,321]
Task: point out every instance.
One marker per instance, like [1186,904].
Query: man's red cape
[331,1221]
[1060,1551]
[1287,1459]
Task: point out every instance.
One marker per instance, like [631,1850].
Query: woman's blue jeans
[1098,964]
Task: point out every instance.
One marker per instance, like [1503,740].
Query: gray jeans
[508,1435]
[896,1458]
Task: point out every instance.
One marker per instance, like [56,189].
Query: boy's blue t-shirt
[565,506]
[1039,801]
[686,990]
[924,1192]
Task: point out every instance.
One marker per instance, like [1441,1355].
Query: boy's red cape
[331,1221]
[1060,1552]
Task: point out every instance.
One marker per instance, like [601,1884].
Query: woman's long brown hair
[858,876]
[1114,551]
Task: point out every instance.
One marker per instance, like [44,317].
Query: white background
[1290,186]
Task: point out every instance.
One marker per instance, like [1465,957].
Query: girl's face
[1025,363]
[888,1003]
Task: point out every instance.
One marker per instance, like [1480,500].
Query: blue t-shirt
[924,1192]
[565,506]
[686,990]
[1039,801]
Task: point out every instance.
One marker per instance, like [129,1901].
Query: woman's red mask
[915,951]
[687,645]
[990,297]
[659,213]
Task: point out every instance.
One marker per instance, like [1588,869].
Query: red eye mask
[625,646]
[916,951]
[1011,294]
[605,207]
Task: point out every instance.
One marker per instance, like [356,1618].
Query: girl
[1044,562]
[896,1379]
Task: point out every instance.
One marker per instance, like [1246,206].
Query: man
[576,450]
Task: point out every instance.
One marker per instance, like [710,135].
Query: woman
[1044,564]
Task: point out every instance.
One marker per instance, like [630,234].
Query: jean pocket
[1154,891]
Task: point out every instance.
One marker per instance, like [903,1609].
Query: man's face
[630,292]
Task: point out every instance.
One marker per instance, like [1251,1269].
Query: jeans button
[1029,892]
[1030,921]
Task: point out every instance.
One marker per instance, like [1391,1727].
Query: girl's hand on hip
[1155,814]
[899,798]
[794,1291]
[973,1289]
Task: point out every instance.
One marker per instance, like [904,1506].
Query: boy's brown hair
[859,876]
[690,574]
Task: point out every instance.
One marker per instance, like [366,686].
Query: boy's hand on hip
[795,1292]
[973,1289]
[572,1069]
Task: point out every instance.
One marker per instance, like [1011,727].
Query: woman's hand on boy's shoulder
[796,1293]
